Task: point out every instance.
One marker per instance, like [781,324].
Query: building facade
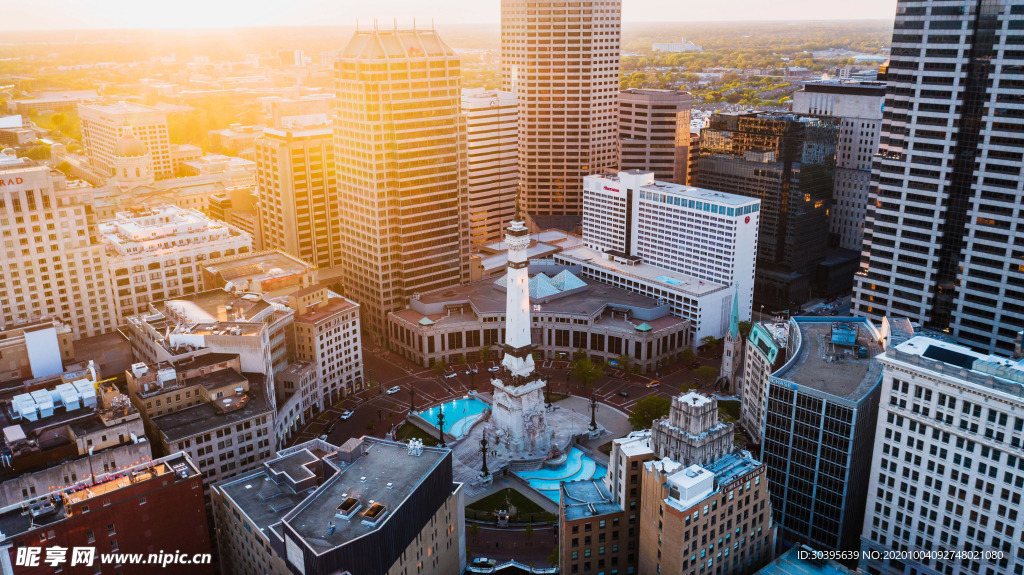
[468,322]
[765,354]
[787,161]
[493,152]
[157,253]
[819,431]
[103,125]
[371,506]
[858,105]
[654,133]
[52,261]
[327,333]
[568,49]
[946,470]
[298,204]
[943,215]
[401,171]
[707,235]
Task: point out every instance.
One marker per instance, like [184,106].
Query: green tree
[58,121]
[65,168]
[625,361]
[587,372]
[688,355]
[647,410]
[745,327]
[709,341]
[706,373]
[555,556]
[439,367]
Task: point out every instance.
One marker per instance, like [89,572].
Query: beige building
[561,61]
[272,272]
[765,354]
[654,133]
[158,253]
[103,125]
[401,171]
[298,207]
[35,349]
[205,407]
[52,261]
[491,136]
[371,506]
[327,332]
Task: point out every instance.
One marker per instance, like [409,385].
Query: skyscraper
[654,132]
[400,144]
[299,211]
[104,124]
[561,60]
[787,161]
[491,137]
[942,244]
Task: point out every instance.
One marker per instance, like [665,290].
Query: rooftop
[823,364]
[988,370]
[122,108]
[636,443]
[334,305]
[790,563]
[586,498]
[209,416]
[689,192]
[260,497]
[216,305]
[672,280]
[258,266]
[380,480]
[374,44]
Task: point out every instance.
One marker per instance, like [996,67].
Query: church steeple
[734,319]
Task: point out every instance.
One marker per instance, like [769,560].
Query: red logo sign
[610,189]
[747,220]
[11,181]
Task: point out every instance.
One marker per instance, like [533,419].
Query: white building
[706,304]
[492,138]
[51,258]
[859,106]
[157,253]
[707,235]
[103,125]
[765,354]
[947,469]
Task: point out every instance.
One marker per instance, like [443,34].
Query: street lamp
[593,412]
[412,400]
[440,424]
[483,449]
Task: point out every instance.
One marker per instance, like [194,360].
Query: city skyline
[194,14]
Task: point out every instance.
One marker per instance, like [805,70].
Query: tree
[688,355]
[555,556]
[745,327]
[586,371]
[528,532]
[706,373]
[58,121]
[709,341]
[65,168]
[440,367]
[647,410]
[625,361]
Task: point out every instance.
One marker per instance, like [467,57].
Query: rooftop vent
[374,513]
[390,485]
[348,508]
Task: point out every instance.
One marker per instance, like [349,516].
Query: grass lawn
[409,431]
[526,510]
[729,409]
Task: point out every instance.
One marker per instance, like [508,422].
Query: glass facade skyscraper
[788,162]
[942,243]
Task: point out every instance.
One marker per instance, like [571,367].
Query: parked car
[484,562]
[393,390]
[323,437]
[450,375]
[329,428]
[695,365]
[345,414]
[652,383]
[493,369]
[624,394]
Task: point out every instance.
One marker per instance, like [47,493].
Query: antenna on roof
[357,24]
[413,24]
[396,24]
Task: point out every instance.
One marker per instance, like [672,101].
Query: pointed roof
[644,327]
[734,319]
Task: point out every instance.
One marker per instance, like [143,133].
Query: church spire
[734,318]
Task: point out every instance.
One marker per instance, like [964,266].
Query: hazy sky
[72,14]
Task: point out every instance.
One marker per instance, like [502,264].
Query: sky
[103,14]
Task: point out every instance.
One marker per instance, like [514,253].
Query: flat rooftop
[682,190]
[334,305]
[385,474]
[587,498]
[258,266]
[990,370]
[636,443]
[831,368]
[672,280]
[789,563]
[216,305]
[262,499]
[207,416]
[123,108]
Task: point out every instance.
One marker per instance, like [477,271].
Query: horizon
[195,15]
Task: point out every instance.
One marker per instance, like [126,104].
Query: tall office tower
[491,138]
[858,105]
[103,125]
[52,261]
[694,159]
[400,144]
[561,60]
[299,211]
[654,132]
[946,471]
[941,243]
[786,161]
[819,428]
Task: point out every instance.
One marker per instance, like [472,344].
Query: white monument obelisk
[518,405]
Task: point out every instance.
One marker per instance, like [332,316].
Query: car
[393,390]
[695,365]
[323,437]
[346,414]
[493,369]
[484,562]
[329,428]
[450,375]
[652,383]
[623,394]
[471,393]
